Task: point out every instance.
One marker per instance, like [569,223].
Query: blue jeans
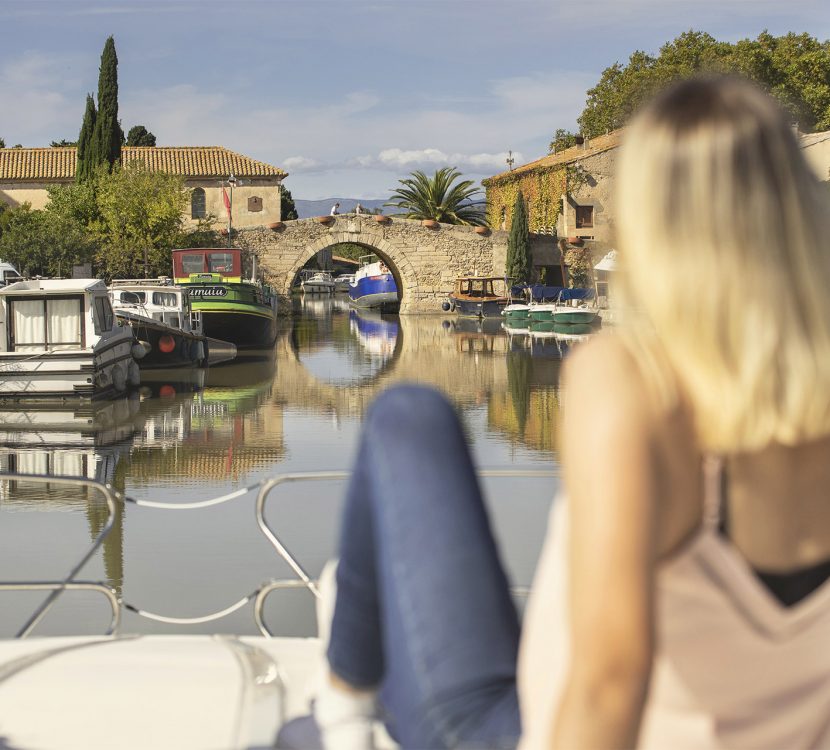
[423,606]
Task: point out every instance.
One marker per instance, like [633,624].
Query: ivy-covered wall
[542,190]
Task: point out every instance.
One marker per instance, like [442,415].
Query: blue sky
[347,95]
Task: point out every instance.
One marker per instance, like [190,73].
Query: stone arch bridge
[425,260]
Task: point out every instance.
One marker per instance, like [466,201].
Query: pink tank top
[733,667]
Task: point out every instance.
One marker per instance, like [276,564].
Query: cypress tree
[84,167]
[287,208]
[518,245]
[108,135]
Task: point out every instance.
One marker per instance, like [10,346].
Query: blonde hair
[724,239]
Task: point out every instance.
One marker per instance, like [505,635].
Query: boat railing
[264,491]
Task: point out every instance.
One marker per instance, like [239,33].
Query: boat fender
[141,349]
[133,374]
[119,377]
[197,351]
[167,343]
[446,307]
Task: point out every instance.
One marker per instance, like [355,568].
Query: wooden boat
[240,310]
[474,296]
[60,338]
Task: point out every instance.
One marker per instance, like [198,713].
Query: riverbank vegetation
[124,223]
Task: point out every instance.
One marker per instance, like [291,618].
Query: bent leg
[423,606]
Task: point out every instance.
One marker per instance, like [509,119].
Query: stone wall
[425,261]
[596,191]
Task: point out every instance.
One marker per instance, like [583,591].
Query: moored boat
[318,283]
[60,338]
[374,286]
[475,296]
[235,309]
[163,322]
[343,282]
[575,306]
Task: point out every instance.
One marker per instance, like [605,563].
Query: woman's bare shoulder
[604,373]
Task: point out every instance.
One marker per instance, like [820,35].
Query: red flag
[227,201]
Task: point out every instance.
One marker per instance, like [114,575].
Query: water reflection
[196,434]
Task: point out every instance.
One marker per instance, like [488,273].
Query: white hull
[184,692]
[317,288]
[104,372]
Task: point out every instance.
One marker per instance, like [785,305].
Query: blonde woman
[682,599]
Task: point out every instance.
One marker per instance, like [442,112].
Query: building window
[584,217]
[254,203]
[197,204]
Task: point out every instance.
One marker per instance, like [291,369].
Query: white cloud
[36,110]
[300,164]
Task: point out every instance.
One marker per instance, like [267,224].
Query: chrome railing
[263,491]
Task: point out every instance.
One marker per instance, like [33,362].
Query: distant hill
[307,209]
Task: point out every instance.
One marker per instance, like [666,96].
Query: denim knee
[419,409]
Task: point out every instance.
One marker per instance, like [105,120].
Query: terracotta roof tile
[36,164]
[574,153]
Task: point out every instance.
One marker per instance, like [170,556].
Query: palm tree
[422,197]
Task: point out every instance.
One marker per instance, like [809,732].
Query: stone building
[26,173]
[568,201]
[568,195]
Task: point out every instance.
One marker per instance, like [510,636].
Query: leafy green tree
[436,197]
[76,202]
[2,143]
[85,160]
[518,265]
[141,220]
[62,143]
[562,139]
[42,242]
[288,210]
[578,260]
[794,68]
[108,136]
[140,136]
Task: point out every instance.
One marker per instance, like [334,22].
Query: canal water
[193,436]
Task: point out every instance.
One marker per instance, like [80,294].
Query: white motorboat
[343,282]
[164,322]
[318,283]
[60,338]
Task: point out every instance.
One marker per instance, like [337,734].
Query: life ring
[167,343]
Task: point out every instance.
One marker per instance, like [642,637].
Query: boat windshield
[227,262]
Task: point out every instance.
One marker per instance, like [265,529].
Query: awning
[608,263]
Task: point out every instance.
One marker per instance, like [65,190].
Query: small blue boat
[374,287]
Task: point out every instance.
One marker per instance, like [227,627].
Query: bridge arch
[395,258]
[425,260]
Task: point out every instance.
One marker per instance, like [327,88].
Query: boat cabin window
[220,262]
[227,262]
[193,263]
[132,298]
[476,287]
[102,316]
[46,323]
[165,299]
